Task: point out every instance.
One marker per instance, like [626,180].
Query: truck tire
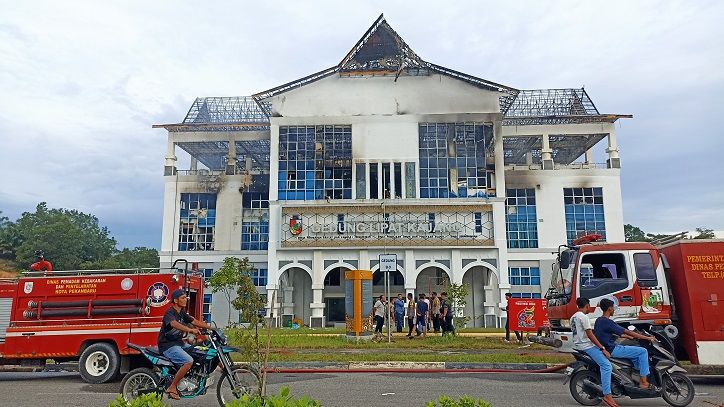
[99,363]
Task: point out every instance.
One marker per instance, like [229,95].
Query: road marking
[388,394]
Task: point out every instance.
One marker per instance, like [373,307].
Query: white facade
[384,109]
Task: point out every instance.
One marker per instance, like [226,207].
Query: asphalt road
[358,389]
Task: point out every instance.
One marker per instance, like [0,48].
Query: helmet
[39,253]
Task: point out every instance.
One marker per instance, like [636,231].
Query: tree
[138,257]
[229,277]
[634,234]
[458,294]
[70,239]
[704,233]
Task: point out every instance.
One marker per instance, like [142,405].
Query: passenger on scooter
[606,331]
[585,341]
[170,338]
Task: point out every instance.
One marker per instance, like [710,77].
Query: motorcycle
[232,384]
[667,376]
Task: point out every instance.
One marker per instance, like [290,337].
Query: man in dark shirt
[170,338]
[422,314]
[446,315]
[606,331]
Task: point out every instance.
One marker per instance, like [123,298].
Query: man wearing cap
[41,264]
[170,338]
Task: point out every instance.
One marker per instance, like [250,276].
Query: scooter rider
[170,338]
[585,341]
[606,331]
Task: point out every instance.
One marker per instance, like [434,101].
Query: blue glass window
[207,297]
[526,295]
[524,275]
[584,212]
[197,221]
[452,159]
[255,235]
[259,277]
[315,162]
[521,221]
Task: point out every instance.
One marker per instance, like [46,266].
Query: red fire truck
[88,316]
[677,287]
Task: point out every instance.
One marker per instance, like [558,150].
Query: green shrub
[146,400]
[283,399]
[465,401]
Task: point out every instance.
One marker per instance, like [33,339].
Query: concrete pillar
[403,174]
[529,158]
[546,153]
[380,181]
[456,267]
[393,187]
[499,158]
[170,166]
[589,156]
[288,301]
[231,157]
[194,164]
[410,277]
[613,159]
[317,306]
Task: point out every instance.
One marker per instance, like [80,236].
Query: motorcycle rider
[606,331]
[585,341]
[170,338]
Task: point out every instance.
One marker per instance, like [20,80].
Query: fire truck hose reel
[117,311]
[102,303]
[64,304]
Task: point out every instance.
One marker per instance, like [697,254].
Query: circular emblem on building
[126,284]
[158,293]
[295,225]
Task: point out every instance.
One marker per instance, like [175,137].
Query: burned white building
[464,179]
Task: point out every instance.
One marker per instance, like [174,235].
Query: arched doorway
[397,283]
[334,295]
[295,288]
[483,297]
[431,279]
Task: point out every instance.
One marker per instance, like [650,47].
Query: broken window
[197,221]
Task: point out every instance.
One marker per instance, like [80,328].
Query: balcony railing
[572,166]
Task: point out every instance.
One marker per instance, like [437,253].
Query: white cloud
[81,83]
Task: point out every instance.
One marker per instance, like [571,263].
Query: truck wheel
[99,363]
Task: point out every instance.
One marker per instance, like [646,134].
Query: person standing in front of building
[435,312]
[446,315]
[423,310]
[506,308]
[379,315]
[399,312]
[411,313]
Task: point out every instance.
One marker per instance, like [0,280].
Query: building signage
[406,225]
[388,262]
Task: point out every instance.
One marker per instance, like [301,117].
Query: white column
[288,301]
[393,188]
[410,278]
[194,164]
[231,157]
[170,166]
[367,180]
[499,159]
[546,153]
[403,180]
[613,158]
[589,156]
[317,304]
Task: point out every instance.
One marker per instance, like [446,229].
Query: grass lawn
[303,346]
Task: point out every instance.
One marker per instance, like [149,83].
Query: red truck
[677,288]
[88,316]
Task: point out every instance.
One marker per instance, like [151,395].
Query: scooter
[668,378]
[233,383]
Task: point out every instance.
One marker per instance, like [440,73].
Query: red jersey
[42,265]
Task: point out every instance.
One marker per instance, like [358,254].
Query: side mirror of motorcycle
[631,328]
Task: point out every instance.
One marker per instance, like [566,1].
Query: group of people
[434,312]
[600,344]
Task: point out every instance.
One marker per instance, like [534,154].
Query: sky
[81,84]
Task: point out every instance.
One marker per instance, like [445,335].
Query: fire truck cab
[88,316]
[630,274]
[676,287]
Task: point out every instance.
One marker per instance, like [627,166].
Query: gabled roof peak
[380,49]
